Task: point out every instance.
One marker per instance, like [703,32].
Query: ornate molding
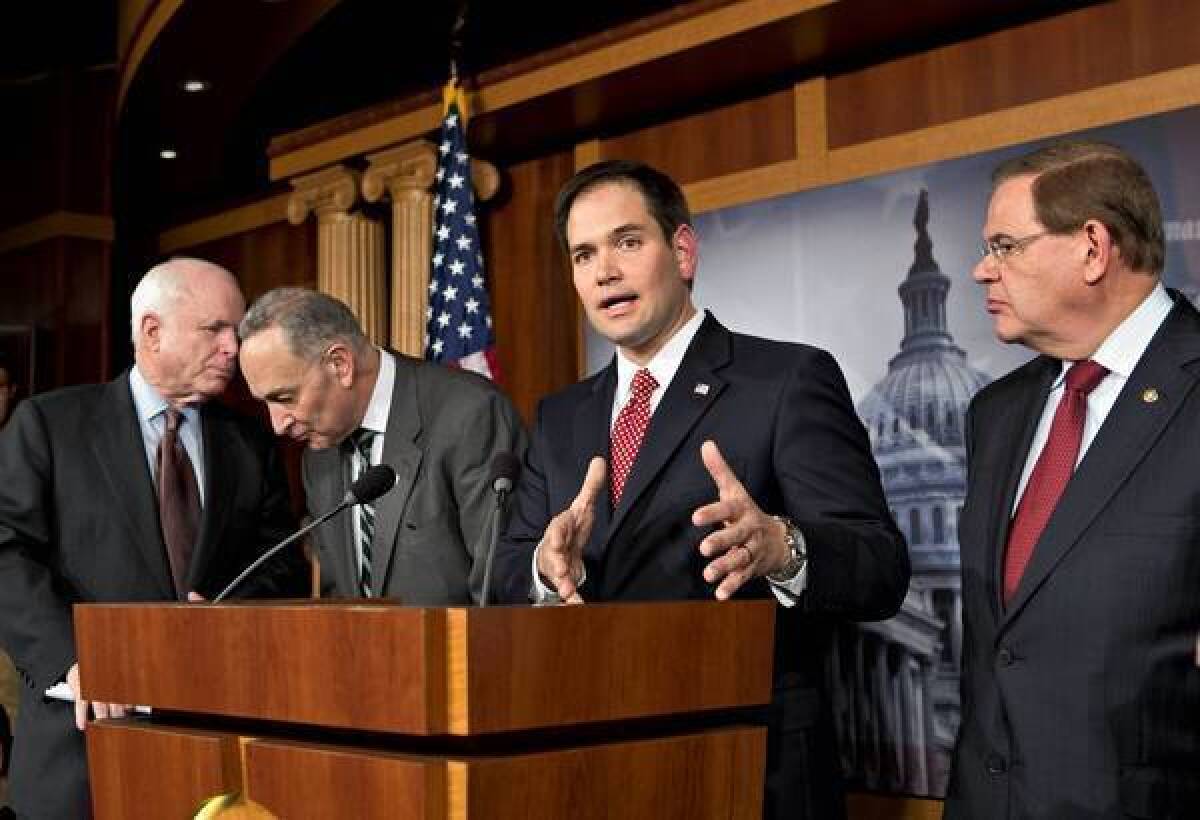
[331,191]
[406,167]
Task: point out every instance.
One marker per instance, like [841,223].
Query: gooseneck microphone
[374,482]
[504,469]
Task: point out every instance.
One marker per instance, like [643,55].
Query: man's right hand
[560,552]
[101,710]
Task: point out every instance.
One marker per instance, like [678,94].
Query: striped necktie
[363,440]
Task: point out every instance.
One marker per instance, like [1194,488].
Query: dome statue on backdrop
[896,701]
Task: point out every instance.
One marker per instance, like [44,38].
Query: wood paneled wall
[55,224]
[534,309]
[264,257]
[60,288]
[1084,49]
[1094,65]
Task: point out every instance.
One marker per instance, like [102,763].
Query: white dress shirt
[375,420]
[150,407]
[1120,353]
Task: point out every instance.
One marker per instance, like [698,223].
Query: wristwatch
[797,553]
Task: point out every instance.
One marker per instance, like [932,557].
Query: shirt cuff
[788,592]
[539,593]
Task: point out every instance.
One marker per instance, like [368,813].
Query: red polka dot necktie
[1052,471]
[628,431]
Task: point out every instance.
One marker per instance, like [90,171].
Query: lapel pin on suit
[1150,395]
[701,389]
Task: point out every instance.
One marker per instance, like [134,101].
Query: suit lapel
[404,456]
[329,470]
[220,484]
[1127,434]
[593,419]
[1013,436]
[120,451]
[691,392]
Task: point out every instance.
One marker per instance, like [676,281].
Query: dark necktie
[628,431]
[178,500]
[1052,471]
[363,440]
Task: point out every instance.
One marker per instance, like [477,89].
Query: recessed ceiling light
[195,86]
[168,153]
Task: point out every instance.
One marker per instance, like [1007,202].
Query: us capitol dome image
[895,691]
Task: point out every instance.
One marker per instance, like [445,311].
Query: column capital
[329,191]
[412,166]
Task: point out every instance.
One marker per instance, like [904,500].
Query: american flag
[458,329]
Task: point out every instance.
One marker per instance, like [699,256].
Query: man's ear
[686,247]
[339,358]
[1099,252]
[151,330]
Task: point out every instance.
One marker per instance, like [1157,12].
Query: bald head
[184,316]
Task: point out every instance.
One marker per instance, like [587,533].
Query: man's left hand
[749,544]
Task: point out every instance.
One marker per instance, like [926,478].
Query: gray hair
[311,321]
[162,288]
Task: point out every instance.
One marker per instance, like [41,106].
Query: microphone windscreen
[374,482]
[505,467]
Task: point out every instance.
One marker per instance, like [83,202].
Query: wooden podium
[365,710]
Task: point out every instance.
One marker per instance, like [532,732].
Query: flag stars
[443,233]
[438,258]
[443,319]
[472,305]
[449,206]
[456,267]
[450,293]
[456,180]
[461,156]
[437,347]
[444,148]
[452,121]
[433,286]
[463,242]
[440,174]
[469,219]
[464,331]
[477,281]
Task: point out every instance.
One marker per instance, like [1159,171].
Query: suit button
[996,764]
[1004,657]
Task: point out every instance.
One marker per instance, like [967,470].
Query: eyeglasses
[1003,247]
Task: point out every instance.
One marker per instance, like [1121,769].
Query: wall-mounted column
[350,246]
[406,174]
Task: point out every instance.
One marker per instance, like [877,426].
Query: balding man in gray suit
[356,405]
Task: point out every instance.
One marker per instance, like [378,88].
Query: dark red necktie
[1052,471]
[628,431]
[178,500]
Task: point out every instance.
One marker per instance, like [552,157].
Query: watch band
[798,553]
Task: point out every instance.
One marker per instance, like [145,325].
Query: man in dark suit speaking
[141,489]
[1080,534]
[356,405]
[703,463]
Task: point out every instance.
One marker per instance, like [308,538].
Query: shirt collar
[1120,352]
[665,362]
[380,406]
[149,403]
